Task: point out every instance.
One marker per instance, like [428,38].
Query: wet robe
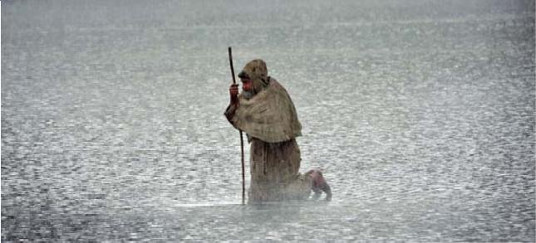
[269,119]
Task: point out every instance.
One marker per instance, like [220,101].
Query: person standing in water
[266,113]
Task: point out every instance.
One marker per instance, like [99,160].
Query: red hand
[233,91]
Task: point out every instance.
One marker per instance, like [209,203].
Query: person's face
[247,85]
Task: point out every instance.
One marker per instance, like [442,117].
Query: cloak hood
[258,73]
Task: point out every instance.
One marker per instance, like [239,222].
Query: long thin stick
[241,137]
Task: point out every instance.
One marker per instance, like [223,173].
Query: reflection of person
[265,112]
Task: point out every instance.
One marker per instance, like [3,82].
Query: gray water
[420,113]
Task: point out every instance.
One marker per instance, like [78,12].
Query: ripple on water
[420,115]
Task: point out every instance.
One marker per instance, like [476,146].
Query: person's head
[254,77]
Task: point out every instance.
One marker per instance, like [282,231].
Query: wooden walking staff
[241,137]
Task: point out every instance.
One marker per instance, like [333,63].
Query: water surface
[420,113]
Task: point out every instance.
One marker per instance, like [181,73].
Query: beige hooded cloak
[269,119]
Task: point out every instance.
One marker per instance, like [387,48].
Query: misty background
[420,113]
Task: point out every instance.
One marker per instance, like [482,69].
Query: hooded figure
[265,112]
